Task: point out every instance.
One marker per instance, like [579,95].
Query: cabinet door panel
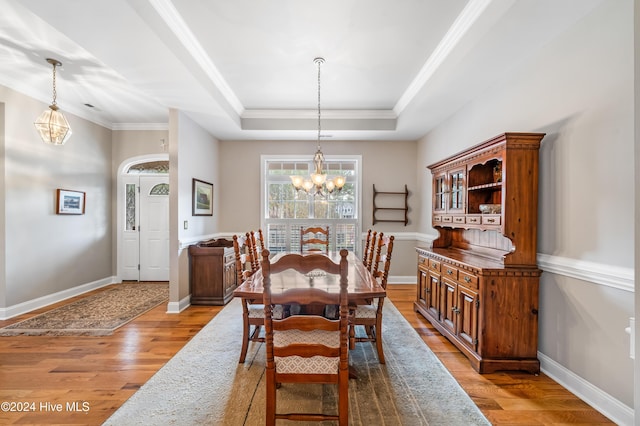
[457,191]
[423,286]
[468,317]
[433,296]
[230,277]
[448,304]
[440,193]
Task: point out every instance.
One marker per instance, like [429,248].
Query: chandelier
[52,126]
[318,183]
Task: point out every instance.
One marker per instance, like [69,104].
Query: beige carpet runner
[96,315]
[203,384]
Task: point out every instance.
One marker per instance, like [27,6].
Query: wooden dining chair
[306,348]
[314,239]
[252,248]
[261,241]
[370,315]
[369,249]
[252,313]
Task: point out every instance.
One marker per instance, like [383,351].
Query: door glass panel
[160,189]
[456,190]
[130,203]
[440,188]
[152,167]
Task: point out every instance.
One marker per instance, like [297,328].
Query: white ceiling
[243,69]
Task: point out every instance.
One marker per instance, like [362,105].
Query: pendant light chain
[55,94]
[317,183]
[319,61]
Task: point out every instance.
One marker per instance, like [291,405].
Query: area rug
[96,315]
[203,384]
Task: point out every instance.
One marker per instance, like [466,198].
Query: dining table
[362,286]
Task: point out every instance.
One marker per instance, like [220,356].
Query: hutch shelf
[478,281]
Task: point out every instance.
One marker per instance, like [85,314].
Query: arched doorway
[143,218]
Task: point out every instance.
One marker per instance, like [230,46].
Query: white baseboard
[399,279]
[615,410]
[41,302]
[177,307]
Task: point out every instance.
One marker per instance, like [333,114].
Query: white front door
[154,228]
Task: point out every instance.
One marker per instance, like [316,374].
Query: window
[286,210]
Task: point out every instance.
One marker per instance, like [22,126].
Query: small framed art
[202,198]
[69,202]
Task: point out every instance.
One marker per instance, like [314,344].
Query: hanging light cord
[318,61]
[55,94]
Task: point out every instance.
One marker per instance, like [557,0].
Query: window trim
[264,158]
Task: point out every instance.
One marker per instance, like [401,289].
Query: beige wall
[46,253]
[193,153]
[636,108]
[579,90]
[132,143]
[388,165]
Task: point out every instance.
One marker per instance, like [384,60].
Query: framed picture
[69,202]
[202,198]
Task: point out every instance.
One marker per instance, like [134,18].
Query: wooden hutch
[478,282]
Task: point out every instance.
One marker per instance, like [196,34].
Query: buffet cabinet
[212,269]
[478,281]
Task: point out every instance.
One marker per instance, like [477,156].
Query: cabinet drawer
[434,265]
[437,219]
[230,257]
[447,219]
[491,220]
[449,272]
[474,219]
[468,279]
[423,262]
[458,219]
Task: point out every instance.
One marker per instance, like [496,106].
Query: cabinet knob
[467,279]
[449,271]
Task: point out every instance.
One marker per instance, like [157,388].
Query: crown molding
[471,12]
[180,29]
[331,114]
[140,126]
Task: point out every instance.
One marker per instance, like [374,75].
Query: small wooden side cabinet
[212,272]
[478,281]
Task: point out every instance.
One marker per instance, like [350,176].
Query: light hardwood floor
[95,375]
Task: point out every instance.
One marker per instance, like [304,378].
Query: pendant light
[317,183]
[52,126]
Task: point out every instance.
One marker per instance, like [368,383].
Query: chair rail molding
[617,277]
